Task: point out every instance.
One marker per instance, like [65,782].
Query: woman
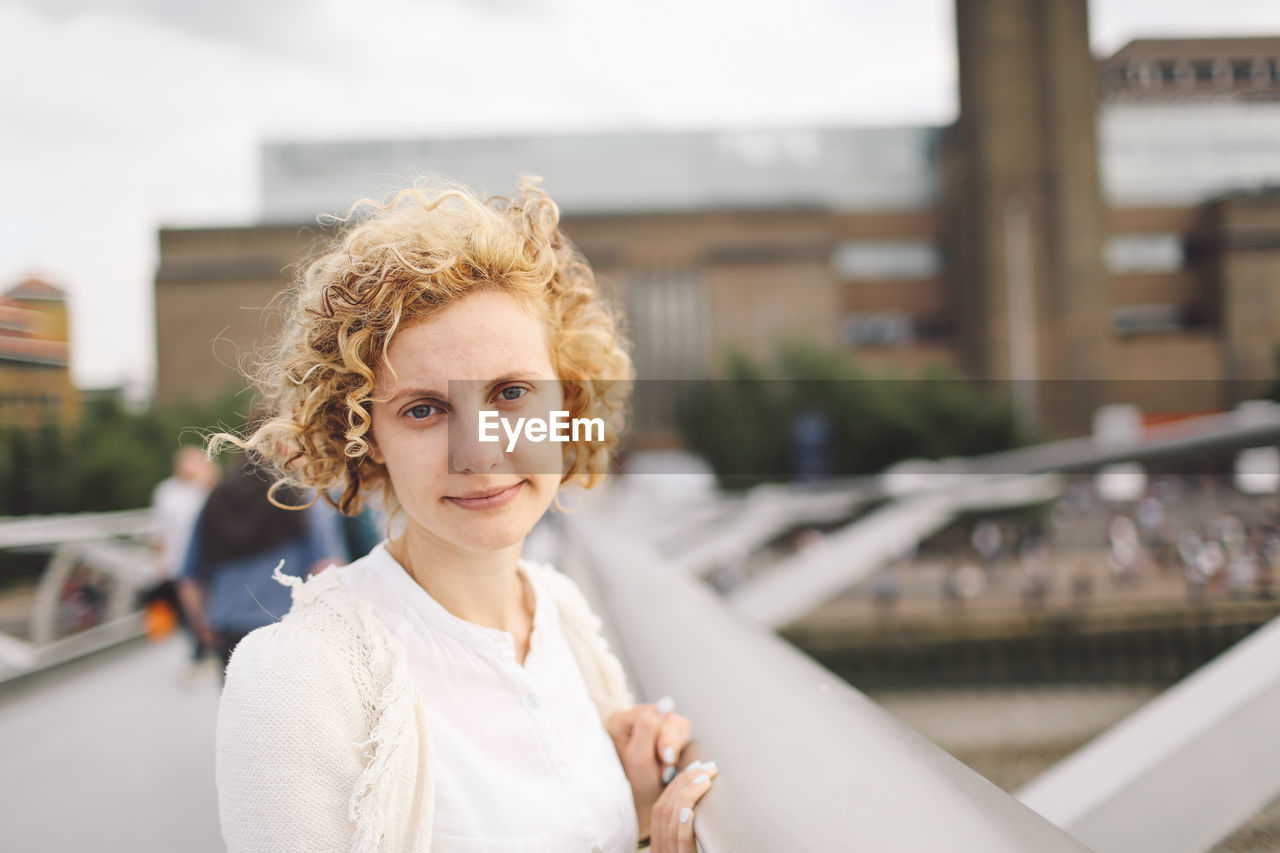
[442,693]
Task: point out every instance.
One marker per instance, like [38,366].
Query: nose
[467,454]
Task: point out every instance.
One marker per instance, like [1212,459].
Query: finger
[685,842]
[678,802]
[673,735]
[690,794]
[620,723]
[696,776]
[644,733]
[693,773]
[698,786]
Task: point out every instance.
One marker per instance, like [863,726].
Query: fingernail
[668,773]
[665,704]
[685,814]
[708,765]
[700,778]
[693,764]
[669,755]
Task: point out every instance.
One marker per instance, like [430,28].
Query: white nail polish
[669,755]
[686,814]
[708,765]
[700,778]
[665,704]
[668,773]
[693,765]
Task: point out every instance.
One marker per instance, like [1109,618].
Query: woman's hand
[649,739]
[671,825]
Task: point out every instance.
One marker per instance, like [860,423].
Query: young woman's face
[484,352]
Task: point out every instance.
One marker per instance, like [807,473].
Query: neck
[482,587]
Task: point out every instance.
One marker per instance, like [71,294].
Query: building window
[881,259]
[1150,318]
[1129,254]
[1148,74]
[1260,72]
[669,312]
[1184,73]
[877,329]
[1223,73]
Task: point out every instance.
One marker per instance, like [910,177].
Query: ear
[375,453]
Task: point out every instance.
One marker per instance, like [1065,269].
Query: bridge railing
[111,544]
[807,763]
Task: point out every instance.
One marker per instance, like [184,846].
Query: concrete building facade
[1014,245]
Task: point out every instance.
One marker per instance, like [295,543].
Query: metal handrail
[1183,771]
[806,762]
[27,531]
[35,660]
[96,539]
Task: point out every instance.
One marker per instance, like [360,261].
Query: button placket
[533,701]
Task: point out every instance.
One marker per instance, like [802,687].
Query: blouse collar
[412,598]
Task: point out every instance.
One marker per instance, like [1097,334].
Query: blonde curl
[402,261]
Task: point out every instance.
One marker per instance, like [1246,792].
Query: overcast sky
[116,120]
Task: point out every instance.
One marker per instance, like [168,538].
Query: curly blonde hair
[393,263]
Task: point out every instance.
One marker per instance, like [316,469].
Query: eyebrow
[424,392]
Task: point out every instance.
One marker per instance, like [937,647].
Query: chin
[493,534]
[486,542]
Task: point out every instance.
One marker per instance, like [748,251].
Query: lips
[486,498]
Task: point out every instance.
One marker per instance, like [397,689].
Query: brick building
[35,374]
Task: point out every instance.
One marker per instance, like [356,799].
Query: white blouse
[522,760]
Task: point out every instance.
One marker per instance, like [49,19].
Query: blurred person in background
[240,536]
[175,505]
[1037,569]
[444,692]
[886,589]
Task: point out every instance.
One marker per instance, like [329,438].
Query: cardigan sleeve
[605,677]
[289,735]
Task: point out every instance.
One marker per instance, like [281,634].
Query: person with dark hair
[226,581]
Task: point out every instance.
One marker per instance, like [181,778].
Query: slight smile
[490,499]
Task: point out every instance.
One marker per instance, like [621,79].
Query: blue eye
[422,411]
[506,393]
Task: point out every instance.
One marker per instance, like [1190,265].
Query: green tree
[742,425]
[110,459]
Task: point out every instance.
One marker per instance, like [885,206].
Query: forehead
[480,337]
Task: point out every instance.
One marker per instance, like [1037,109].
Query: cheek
[546,486]
[541,459]
[414,458]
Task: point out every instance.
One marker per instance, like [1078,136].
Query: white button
[532,700]
[564,770]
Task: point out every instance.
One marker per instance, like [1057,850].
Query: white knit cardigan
[322,739]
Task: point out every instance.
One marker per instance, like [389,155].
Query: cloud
[1114,23]
[119,117]
[277,25]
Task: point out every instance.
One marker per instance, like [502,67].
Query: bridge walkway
[111,752]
